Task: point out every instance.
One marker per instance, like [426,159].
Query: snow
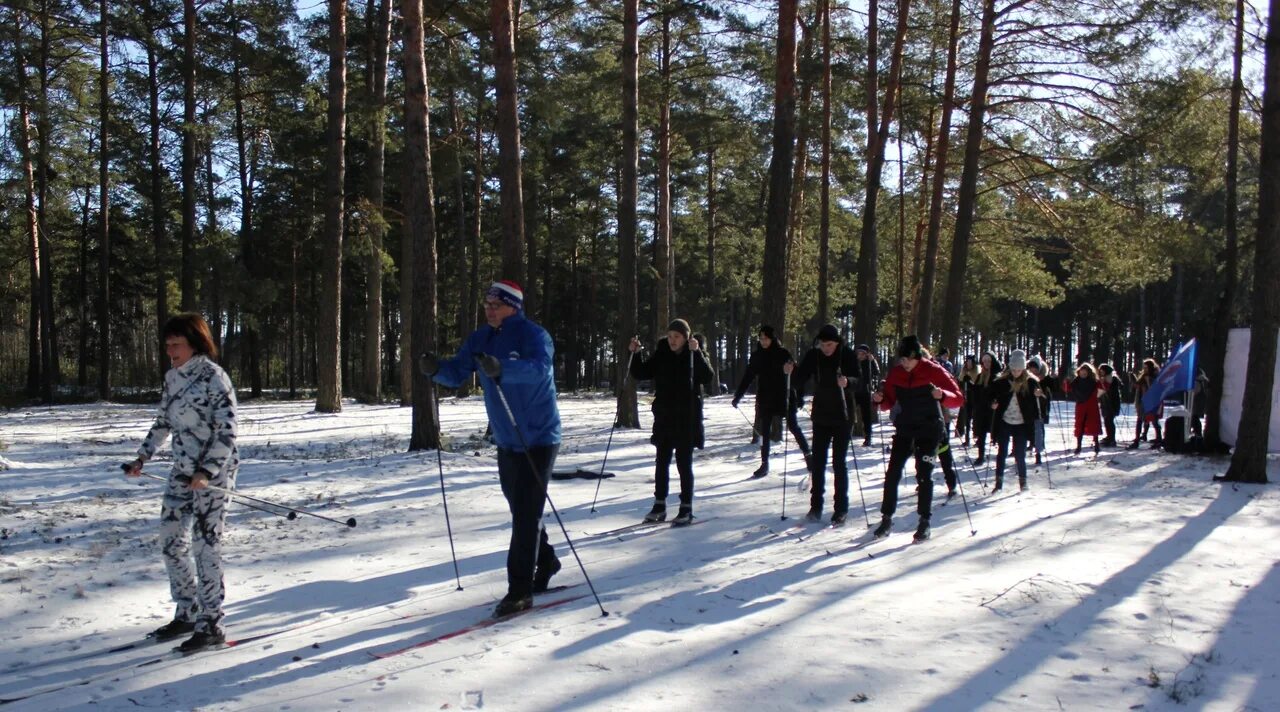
[1134,583]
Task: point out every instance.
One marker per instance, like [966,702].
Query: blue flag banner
[1178,374]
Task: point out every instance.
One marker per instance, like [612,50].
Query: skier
[1110,401]
[1144,379]
[968,377]
[920,388]
[867,375]
[773,402]
[944,360]
[830,364]
[1085,391]
[678,369]
[1037,367]
[1015,405]
[198,408]
[945,458]
[981,390]
[514,354]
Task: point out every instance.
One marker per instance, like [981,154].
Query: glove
[428,364]
[734,403]
[490,365]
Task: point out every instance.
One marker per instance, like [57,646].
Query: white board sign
[1236,367]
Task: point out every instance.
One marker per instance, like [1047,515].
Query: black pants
[837,440]
[925,449]
[981,431]
[526,493]
[765,423]
[963,421]
[662,472]
[863,401]
[1020,434]
[1109,422]
[948,464]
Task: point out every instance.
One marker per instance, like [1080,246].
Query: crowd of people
[985,402]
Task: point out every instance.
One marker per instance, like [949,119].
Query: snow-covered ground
[1135,582]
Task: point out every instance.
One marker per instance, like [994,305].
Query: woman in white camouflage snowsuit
[198,408]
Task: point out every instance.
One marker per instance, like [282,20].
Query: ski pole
[443,498]
[964,500]
[290,516]
[533,468]
[351,522]
[752,424]
[857,470]
[617,411]
[784,451]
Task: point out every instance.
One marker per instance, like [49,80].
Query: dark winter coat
[919,414]
[1114,396]
[981,395]
[832,406]
[1048,386]
[1003,394]
[771,388]
[677,394]
[868,372]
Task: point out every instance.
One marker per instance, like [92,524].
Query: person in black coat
[981,393]
[1037,367]
[1110,401]
[773,401]
[829,365]
[1015,408]
[867,379]
[679,369]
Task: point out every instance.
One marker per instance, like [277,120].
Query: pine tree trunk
[104,210]
[252,322]
[823,312]
[376,165]
[159,246]
[49,366]
[712,294]
[628,404]
[419,212]
[773,290]
[1216,350]
[188,155]
[1249,461]
[34,336]
[662,220]
[329,323]
[502,25]
[924,306]
[968,197]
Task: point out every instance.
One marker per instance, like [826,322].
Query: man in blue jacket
[516,355]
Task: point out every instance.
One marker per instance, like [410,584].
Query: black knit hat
[767,330]
[679,325]
[830,333]
[863,347]
[910,347]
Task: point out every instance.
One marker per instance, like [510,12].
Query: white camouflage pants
[191,525]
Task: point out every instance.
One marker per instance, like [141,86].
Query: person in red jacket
[920,389]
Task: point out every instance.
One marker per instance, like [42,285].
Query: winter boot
[977,462]
[761,471]
[837,519]
[922,530]
[1097,448]
[815,514]
[684,517]
[201,640]
[1037,458]
[173,629]
[542,576]
[1022,484]
[999,485]
[512,603]
[886,523]
[658,513]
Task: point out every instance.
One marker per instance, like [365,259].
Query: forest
[333,185]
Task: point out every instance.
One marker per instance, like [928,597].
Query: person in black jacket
[867,379]
[981,392]
[679,369]
[1037,367]
[968,376]
[773,401]
[1110,401]
[1015,406]
[829,365]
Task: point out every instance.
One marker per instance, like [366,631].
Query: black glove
[490,365]
[428,364]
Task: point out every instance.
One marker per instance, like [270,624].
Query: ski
[479,625]
[82,657]
[629,528]
[173,654]
[827,528]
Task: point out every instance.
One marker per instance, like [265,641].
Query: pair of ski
[642,526]
[483,623]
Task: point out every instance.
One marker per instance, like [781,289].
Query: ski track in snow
[1134,583]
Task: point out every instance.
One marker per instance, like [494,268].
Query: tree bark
[379,40]
[662,219]
[34,336]
[1249,461]
[712,292]
[967,199]
[188,155]
[823,313]
[1216,349]
[924,306]
[773,283]
[252,262]
[159,246]
[628,404]
[49,367]
[419,211]
[329,326]
[104,209]
[502,25]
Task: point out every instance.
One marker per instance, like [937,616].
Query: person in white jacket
[198,408]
